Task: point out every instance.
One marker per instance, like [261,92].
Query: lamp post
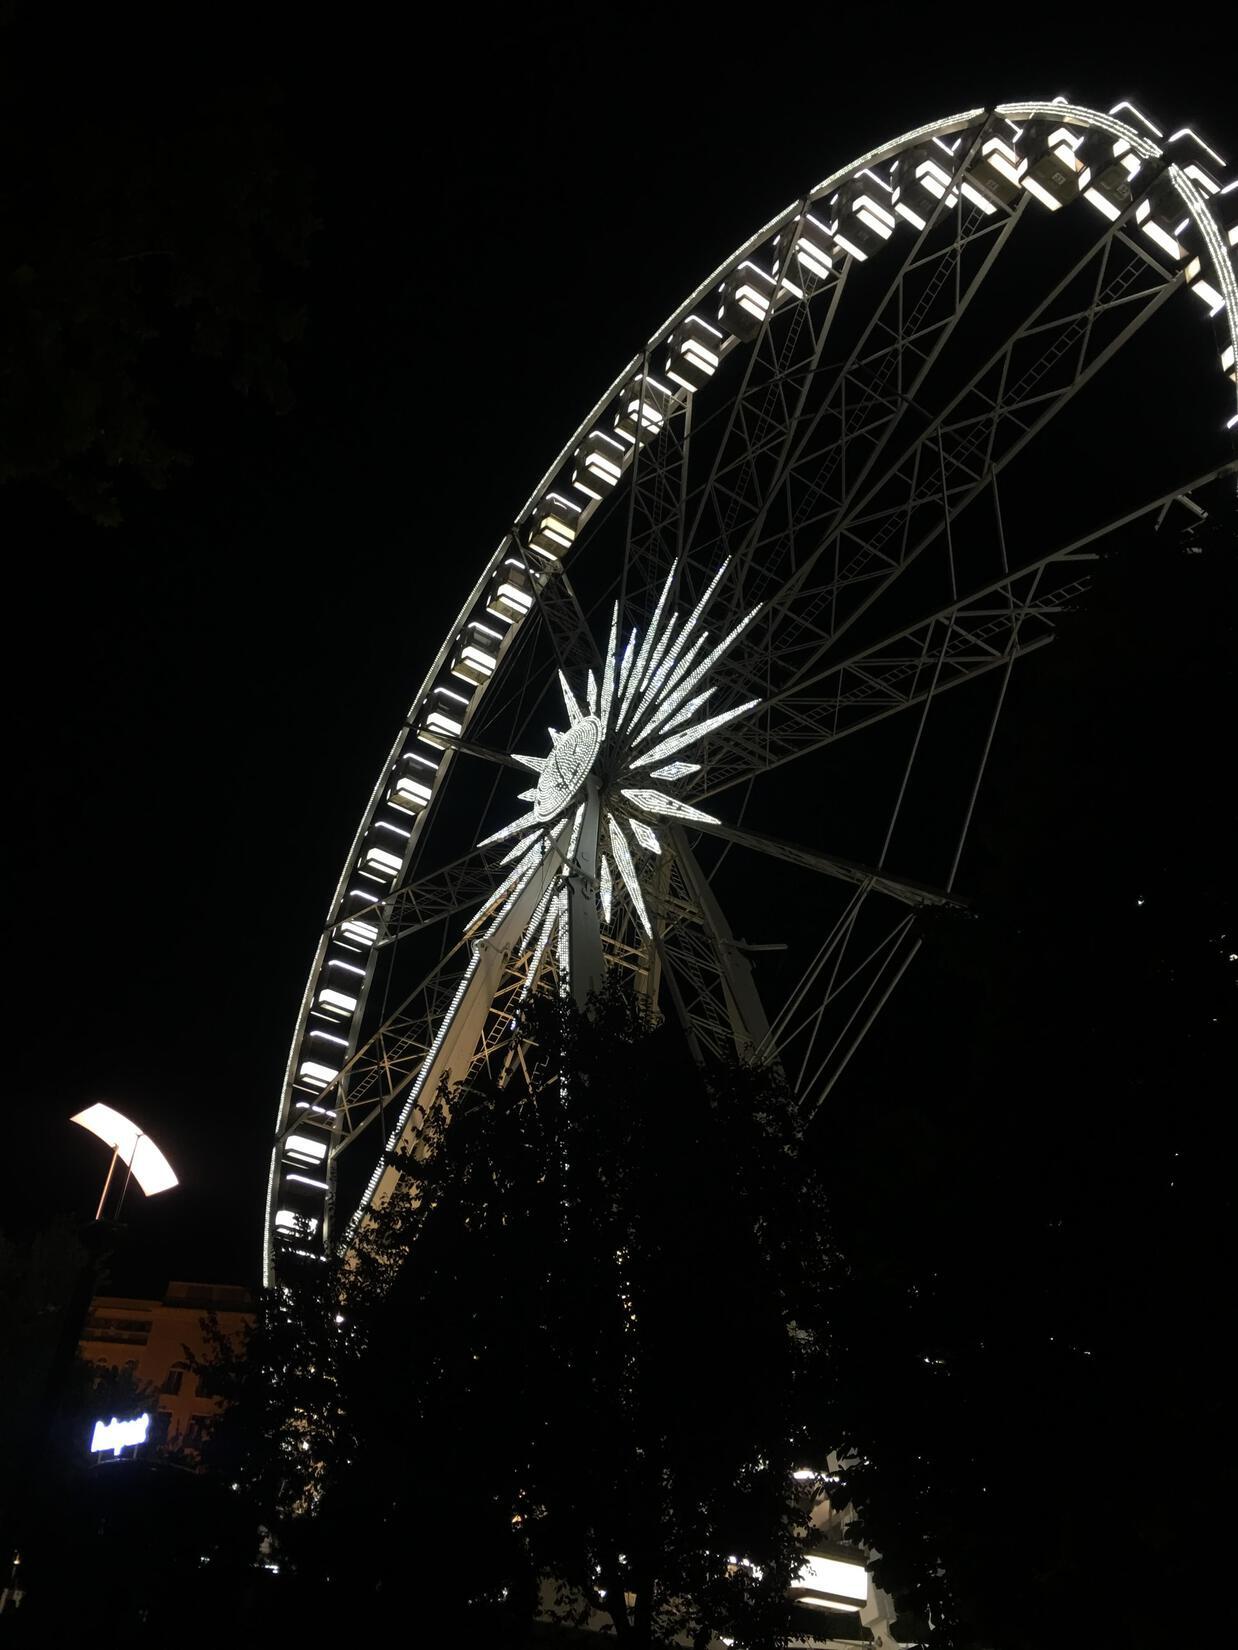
[144,1161]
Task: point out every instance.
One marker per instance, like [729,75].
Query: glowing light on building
[116,1435]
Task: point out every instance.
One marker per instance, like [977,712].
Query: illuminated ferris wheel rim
[474,651]
[1141,143]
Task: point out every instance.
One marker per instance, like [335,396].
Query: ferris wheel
[705,686]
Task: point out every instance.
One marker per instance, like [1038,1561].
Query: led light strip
[623,859]
[1218,252]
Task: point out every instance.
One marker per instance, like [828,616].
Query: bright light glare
[150,1167]
[117,1435]
[843,1584]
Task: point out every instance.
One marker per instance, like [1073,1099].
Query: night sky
[199,697]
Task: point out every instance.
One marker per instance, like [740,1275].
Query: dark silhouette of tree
[589,1352]
[281,1429]
[1032,1181]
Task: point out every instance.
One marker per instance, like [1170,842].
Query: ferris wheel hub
[567,768]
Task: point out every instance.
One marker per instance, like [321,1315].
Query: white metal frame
[815,504]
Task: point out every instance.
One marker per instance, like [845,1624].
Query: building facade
[157,1341]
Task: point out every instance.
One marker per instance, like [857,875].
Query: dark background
[199,694]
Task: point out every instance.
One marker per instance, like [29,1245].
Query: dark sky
[199,697]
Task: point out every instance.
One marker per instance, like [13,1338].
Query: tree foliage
[588,1348]
[281,1429]
[1033,1179]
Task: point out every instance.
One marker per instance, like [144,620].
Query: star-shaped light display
[607,776]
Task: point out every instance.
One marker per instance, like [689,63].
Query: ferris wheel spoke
[428,899]
[839,995]
[989,628]
[440,1029]
[375,1075]
[484,753]
[941,653]
[705,968]
[656,503]
[863,976]
[760,424]
[846,434]
[907,892]
[870,393]
[569,632]
[987,423]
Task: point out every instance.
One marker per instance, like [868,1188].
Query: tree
[47,1276]
[592,1339]
[1033,1182]
[281,1429]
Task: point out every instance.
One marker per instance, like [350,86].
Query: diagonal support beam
[918,894]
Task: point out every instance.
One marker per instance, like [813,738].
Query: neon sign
[117,1435]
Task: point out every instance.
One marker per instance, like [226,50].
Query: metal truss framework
[824,487]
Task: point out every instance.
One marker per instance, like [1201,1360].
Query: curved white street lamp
[131,1146]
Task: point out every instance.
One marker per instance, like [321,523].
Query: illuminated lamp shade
[836,1580]
[747,295]
[1159,214]
[476,654]
[998,169]
[693,352]
[644,407]
[556,521]
[149,1167]
[512,591]
[1109,167]
[598,464]
[812,247]
[1053,166]
[863,220]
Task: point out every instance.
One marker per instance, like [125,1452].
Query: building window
[174,1379]
[117,1331]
